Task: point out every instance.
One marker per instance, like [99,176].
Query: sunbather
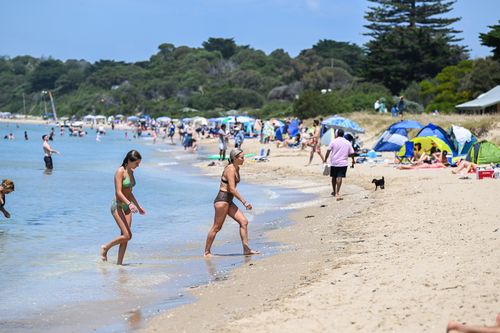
[465,165]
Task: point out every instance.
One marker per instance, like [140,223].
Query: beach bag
[326,170]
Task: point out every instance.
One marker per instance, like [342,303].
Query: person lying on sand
[464,165]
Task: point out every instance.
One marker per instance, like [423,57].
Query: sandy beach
[405,259]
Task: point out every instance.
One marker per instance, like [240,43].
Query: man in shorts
[340,150]
[48,151]
[223,139]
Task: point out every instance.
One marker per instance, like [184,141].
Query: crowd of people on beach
[339,151]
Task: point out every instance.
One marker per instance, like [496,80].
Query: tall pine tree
[411,41]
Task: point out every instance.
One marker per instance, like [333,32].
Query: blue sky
[131,30]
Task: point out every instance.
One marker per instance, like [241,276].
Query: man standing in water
[47,150]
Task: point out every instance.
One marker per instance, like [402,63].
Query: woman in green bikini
[124,204]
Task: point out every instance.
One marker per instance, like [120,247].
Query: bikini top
[224,180]
[126,182]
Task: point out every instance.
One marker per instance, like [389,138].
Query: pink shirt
[340,149]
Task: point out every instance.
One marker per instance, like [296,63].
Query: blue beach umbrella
[343,123]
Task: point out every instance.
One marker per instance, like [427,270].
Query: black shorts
[338,172]
[224,196]
[48,162]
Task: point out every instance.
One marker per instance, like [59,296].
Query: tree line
[413,51]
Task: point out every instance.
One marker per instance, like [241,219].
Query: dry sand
[408,258]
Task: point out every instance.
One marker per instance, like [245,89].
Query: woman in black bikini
[225,206]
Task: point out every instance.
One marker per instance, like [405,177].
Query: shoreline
[401,259]
[238,290]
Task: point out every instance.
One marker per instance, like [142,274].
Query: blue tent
[434,130]
[406,124]
[395,136]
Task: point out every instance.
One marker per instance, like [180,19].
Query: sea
[51,278]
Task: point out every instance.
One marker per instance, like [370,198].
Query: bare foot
[104,253]
[251,252]
[339,198]
[207,255]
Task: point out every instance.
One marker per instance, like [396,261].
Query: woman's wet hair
[233,154]
[131,156]
[8,184]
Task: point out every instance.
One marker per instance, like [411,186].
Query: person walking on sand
[224,205]
[316,142]
[6,187]
[340,150]
[124,205]
[48,151]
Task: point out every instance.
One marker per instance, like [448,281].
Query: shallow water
[52,280]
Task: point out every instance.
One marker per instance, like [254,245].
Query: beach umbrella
[245,119]
[199,121]
[342,123]
[277,122]
[133,118]
[228,120]
[163,119]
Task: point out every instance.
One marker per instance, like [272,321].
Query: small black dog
[379,182]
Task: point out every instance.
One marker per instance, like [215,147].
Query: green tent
[484,152]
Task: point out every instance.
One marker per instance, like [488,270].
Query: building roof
[489,98]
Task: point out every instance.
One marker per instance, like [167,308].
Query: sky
[132,30]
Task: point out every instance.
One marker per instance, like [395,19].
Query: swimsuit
[223,195]
[114,204]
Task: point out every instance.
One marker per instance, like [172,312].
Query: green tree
[446,89]
[484,76]
[492,39]
[411,41]
[45,75]
[349,53]
[422,14]
[226,46]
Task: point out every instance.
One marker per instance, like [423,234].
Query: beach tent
[487,102]
[462,139]
[426,142]
[89,119]
[342,123]
[434,130]
[395,136]
[484,152]
[100,119]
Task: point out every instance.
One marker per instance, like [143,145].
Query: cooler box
[485,174]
